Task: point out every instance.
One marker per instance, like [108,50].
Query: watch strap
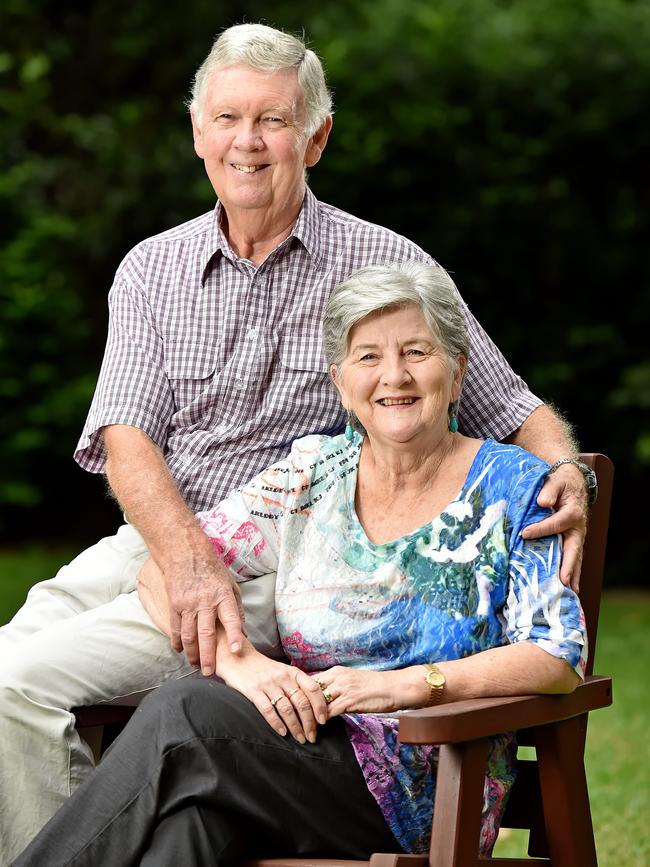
[589,475]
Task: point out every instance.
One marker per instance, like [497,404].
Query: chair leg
[458,804]
[565,797]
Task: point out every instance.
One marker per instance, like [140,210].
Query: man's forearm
[146,491]
[547,435]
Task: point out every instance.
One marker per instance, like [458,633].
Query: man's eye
[274,121]
[224,116]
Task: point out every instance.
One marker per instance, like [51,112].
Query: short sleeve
[246,528]
[132,388]
[495,401]
[539,608]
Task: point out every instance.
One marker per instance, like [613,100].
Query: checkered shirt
[221,362]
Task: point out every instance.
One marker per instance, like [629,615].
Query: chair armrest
[482,717]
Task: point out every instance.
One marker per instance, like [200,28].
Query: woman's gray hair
[266,49]
[380,287]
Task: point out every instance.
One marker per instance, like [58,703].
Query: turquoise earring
[349,430]
[453,420]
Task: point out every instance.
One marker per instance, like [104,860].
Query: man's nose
[248,136]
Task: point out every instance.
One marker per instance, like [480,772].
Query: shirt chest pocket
[190,366]
[302,349]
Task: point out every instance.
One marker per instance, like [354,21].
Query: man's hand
[196,590]
[201,594]
[188,603]
[565,492]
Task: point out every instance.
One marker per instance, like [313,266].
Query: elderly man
[213,366]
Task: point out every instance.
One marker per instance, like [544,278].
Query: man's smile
[249,169]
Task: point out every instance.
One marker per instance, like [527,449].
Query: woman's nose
[395,372]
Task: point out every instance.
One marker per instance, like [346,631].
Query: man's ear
[317,143]
[198,135]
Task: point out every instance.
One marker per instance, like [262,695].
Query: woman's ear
[457,384]
[335,373]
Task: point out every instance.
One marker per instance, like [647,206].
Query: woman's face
[396,379]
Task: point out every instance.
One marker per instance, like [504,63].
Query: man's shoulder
[191,229]
[364,233]
[191,235]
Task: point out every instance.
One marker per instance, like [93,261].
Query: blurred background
[509,138]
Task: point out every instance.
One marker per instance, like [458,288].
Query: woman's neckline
[351,487]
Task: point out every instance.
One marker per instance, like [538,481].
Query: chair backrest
[593,561]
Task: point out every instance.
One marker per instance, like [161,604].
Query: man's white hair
[266,49]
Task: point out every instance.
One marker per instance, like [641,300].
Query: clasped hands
[295,702]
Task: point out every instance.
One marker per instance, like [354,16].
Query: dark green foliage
[510,139]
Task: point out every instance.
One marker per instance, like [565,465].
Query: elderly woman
[402,581]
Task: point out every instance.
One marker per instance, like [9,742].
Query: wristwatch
[436,681]
[590,477]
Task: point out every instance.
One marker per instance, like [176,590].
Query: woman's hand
[287,698]
[358,690]
[151,590]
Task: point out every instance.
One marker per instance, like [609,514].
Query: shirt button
[252,334]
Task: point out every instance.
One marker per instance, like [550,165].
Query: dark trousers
[199,778]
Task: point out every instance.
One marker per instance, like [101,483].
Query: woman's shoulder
[509,465]
[315,456]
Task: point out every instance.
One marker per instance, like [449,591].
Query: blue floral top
[463,583]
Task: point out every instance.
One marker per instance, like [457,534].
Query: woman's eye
[415,352]
[369,356]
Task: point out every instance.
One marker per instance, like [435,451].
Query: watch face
[435,678]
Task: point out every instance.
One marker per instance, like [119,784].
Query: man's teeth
[396,401]
[248,169]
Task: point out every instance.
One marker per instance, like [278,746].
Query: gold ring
[294,691]
[327,695]
[274,701]
[319,682]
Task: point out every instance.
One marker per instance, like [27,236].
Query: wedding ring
[294,691]
[274,701]
[327,695]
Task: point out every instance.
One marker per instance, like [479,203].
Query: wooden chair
[550,796]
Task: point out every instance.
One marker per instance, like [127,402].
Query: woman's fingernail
[300,739]
[312,737]
[206,671]
[322,719]
[282,732]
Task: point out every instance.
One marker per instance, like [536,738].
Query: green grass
[618,746]
[21,568]
[618,742]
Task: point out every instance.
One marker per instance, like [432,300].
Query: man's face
[249,135]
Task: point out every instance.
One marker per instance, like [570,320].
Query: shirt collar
[306,230]
[307,226]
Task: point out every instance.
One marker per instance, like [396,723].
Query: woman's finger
[314,694]
[266,707]
[285,709]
